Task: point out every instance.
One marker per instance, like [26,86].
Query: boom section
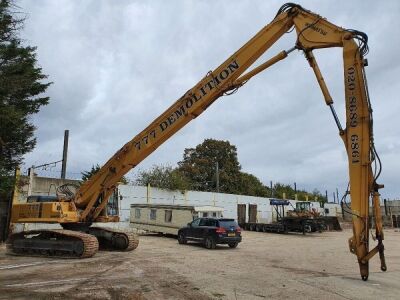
[314,32]
[359,142]
[186,108]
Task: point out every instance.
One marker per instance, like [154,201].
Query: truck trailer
[283,223]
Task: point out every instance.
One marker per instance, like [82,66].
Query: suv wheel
[181,238]
[210,243]
[233,245]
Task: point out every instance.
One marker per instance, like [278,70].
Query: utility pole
[217,176]
[385,204]
[30,173]
[337,195]
[326,195]
[270,184]
[64,157]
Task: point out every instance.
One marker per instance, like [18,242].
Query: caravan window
[153,214]
[168,216]
[137,213]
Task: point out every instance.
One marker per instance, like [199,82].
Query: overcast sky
[117,65]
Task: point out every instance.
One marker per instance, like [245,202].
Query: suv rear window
[228,223]
[208,222]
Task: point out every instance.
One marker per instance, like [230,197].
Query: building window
[168,216]
[153,214]
[137,213]
[214,214]
[205,214]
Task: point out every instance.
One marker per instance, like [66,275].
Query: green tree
[199,166]
[280,189]
[197,171]
[95,168]
[21,84]
[250,185]
[164,177]
[316,195]
[87,174]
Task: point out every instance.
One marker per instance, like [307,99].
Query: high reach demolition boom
[313,32]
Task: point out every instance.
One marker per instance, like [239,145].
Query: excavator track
[114,239]
[53,243]
[133,241]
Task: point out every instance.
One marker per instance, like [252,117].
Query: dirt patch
[106,276]
[264,266]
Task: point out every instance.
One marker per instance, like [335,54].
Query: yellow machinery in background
[76,211]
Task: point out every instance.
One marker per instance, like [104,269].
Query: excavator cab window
[303,206]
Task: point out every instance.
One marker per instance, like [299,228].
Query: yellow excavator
[77,211]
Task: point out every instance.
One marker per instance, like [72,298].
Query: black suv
[211,231]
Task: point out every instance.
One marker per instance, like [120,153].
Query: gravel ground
[264,266]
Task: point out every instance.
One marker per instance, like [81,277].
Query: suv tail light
[238,229]
[220,230]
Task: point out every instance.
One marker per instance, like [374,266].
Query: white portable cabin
[168,219]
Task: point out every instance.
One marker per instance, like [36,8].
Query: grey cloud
[116,65]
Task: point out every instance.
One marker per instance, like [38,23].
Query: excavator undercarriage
[54,243]
[70,243]
[76,239]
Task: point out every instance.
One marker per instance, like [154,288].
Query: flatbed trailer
[284,224]
[287,224]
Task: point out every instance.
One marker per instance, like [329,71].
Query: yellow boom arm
[313,32]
